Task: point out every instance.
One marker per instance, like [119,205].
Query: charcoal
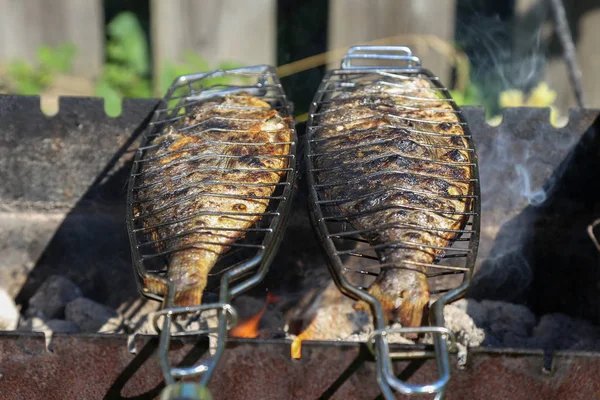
[52,297]
[62,326]
[559,331]
[33,324]
[90,316]
[501,324]
[37,324]
[506,321]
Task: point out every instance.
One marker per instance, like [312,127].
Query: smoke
[523,162]
[507,46]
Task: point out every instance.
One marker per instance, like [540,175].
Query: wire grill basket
[349,254]
[245,261]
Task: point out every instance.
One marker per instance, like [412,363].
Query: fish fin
[410,310]
[189,296]
[412,307]
[155,286]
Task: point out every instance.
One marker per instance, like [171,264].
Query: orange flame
[249,328]
[307,334]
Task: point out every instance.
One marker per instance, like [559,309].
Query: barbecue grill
[248,260]
[392,66]
[76,164]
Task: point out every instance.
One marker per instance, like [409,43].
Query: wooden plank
[216,30]
[356,21]
[588,56]
[27,25]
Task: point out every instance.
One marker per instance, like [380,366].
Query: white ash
[51,298]
[90,316]
[475,323]
[9,314]
[486,323]
[458,320]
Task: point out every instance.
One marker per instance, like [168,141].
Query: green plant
[192,63]
[470,96]
[27,79]
[126,72]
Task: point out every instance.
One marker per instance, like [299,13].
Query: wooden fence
[246,32]
[25,25]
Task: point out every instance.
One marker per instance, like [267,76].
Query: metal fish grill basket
[247,260]
[392,66]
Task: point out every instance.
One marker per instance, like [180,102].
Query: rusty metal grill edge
[260,81]
[410,66]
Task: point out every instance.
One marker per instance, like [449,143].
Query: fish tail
[184,297]
[403,294]
[189,269]
[189,296]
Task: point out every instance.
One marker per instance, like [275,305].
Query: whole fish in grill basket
[205,181]
[390,156]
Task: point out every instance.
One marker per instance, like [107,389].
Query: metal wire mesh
[153,239]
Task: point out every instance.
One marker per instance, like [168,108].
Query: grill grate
[244,262]
[349,253]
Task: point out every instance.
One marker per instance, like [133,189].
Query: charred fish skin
[396,163]
[206,179]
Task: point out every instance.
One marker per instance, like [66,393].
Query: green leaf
[58,59]
[24,79]
[230,65]
[458,97]
[127,43]
[112,98]
[194,63]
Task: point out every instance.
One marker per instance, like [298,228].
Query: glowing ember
[249,328]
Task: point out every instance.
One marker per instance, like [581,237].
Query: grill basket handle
[387,54]
[379,346]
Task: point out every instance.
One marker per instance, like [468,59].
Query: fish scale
[371,139]
[197,220]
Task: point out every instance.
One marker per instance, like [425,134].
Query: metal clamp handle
[382,352]
[385,53]
[227,320]
[231,314]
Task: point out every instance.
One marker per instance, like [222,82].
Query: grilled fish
[204,181]
[397,166]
